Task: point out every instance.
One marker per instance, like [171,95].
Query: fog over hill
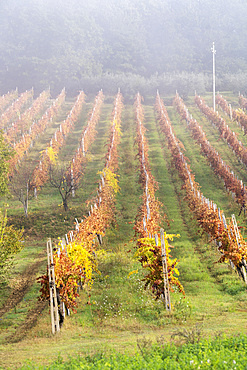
[60,42]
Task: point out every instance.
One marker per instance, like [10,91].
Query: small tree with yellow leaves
[10,244]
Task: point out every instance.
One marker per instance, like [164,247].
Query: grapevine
[74,170]
[40,173]
[34,131]
[14,110]
[211,219]
[102,212]
[25,120]
[148,221]
[237,115]
[232,183]
[6,99]
[242,101]
[78,262]
[229,136]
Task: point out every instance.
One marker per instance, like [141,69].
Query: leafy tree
[10,244]
[85,39]
[5,154]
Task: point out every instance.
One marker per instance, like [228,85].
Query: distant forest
[105,43]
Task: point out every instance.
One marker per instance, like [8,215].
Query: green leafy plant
[10,244]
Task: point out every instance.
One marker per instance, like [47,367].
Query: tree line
[59,43]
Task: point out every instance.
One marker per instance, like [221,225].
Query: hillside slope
[118,310]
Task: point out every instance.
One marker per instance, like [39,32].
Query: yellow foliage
[110,178]
[51,154]
[117,126]
[132,272]
[83,259]
[150,256]
[170,236]
[146,246]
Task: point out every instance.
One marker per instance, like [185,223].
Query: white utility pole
[214,52]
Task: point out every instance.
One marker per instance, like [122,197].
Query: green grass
[218,353]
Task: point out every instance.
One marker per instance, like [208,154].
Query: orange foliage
[232,182]
[148,221]
[36,128]
[226,133]
[210,218]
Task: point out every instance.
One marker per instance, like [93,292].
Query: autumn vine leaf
[111,179]
[148,221]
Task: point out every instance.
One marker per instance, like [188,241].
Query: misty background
[135,44]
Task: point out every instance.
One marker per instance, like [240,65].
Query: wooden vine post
[236,231]
[165,272]
[52,286]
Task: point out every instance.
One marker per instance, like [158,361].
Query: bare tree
[21,187]
[63,179]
